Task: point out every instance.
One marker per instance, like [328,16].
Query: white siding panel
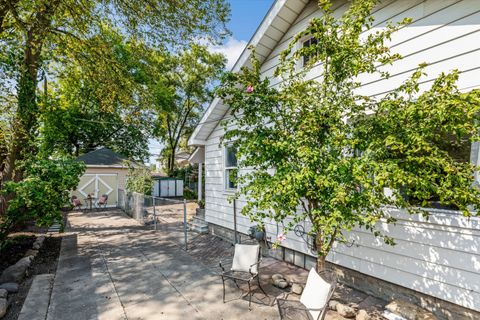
[439,256]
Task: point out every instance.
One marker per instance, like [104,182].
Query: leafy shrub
[139,180]
[189,194]
[42,193]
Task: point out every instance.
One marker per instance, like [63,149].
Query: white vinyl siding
[441,256]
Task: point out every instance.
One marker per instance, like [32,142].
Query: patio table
[90,200]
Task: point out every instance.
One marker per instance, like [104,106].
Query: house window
[230,165]
[306,44]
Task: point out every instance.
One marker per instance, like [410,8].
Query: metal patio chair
[314,299]
[103,201]
[76,203]
[245,267]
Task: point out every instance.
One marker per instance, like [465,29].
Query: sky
[246,16]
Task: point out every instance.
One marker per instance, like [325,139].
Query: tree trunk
[26,115]
[320,256]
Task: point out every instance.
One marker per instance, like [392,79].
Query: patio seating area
[118,268]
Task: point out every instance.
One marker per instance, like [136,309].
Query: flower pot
[259,235]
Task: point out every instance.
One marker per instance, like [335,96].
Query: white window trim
[225,169]
[300,43]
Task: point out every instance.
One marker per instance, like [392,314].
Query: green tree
[30,30]
[180,97]
[319,146]
[94,103]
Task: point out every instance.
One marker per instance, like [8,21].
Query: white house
[436,263]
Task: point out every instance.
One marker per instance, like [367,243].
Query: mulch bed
[45,262]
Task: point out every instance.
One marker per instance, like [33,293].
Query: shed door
[163,188]
[171,188]
[98,185]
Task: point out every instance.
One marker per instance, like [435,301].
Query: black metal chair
[76,203]
[103,201]
[313,303]
[245,267]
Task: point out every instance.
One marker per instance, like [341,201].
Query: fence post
[235,220]
[185,221]
[154,214]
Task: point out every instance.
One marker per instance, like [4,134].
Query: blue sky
[246,16]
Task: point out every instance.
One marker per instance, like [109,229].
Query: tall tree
[188,86]
[30,29]
[321,147]
[99,102]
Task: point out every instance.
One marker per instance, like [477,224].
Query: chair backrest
[245,257]
[103,199]
[318,291]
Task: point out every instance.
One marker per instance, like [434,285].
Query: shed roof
[103,157]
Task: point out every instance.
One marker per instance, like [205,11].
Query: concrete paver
[110,267]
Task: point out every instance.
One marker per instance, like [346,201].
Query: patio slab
[111,267]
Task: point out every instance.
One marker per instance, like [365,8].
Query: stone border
[37,301]
[14,274]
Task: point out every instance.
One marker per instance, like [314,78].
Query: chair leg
[250,296]
[223,282]
[258,280]
[236,283]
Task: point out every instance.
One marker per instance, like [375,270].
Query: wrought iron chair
[245,267]
[314,299]
[76,203]
[103,201]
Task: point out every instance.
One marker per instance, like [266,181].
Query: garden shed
[106,172]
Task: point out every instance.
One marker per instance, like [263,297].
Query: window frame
[304,60]
[226,169]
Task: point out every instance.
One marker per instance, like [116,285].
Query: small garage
[106,172]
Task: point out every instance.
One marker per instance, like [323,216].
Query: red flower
[249,89]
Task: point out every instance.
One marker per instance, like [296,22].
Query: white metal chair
[314,299]
[245,267]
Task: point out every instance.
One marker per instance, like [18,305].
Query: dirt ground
[15,250]
[45,262]
[172,212]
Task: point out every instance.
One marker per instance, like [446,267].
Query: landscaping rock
[409,310]
[282,284]
[3,293]
[332,305]
[297,288]
[11,287]
[345,311]
[3,307]
[16,272]
[31,252]
[332,315]
[362,315]
[277,276]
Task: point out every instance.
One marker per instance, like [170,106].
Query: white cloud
[231,50]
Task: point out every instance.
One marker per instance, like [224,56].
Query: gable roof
[276,23]
[102,157]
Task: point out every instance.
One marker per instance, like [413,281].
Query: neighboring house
[436,262]
[106,173]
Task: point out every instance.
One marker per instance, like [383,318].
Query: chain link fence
[160,213]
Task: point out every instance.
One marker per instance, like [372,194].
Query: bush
[189,194]
[42,193]
[139,180]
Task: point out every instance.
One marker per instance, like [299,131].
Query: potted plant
[257,232]
[201,208]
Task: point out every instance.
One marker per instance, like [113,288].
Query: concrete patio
[111,267]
